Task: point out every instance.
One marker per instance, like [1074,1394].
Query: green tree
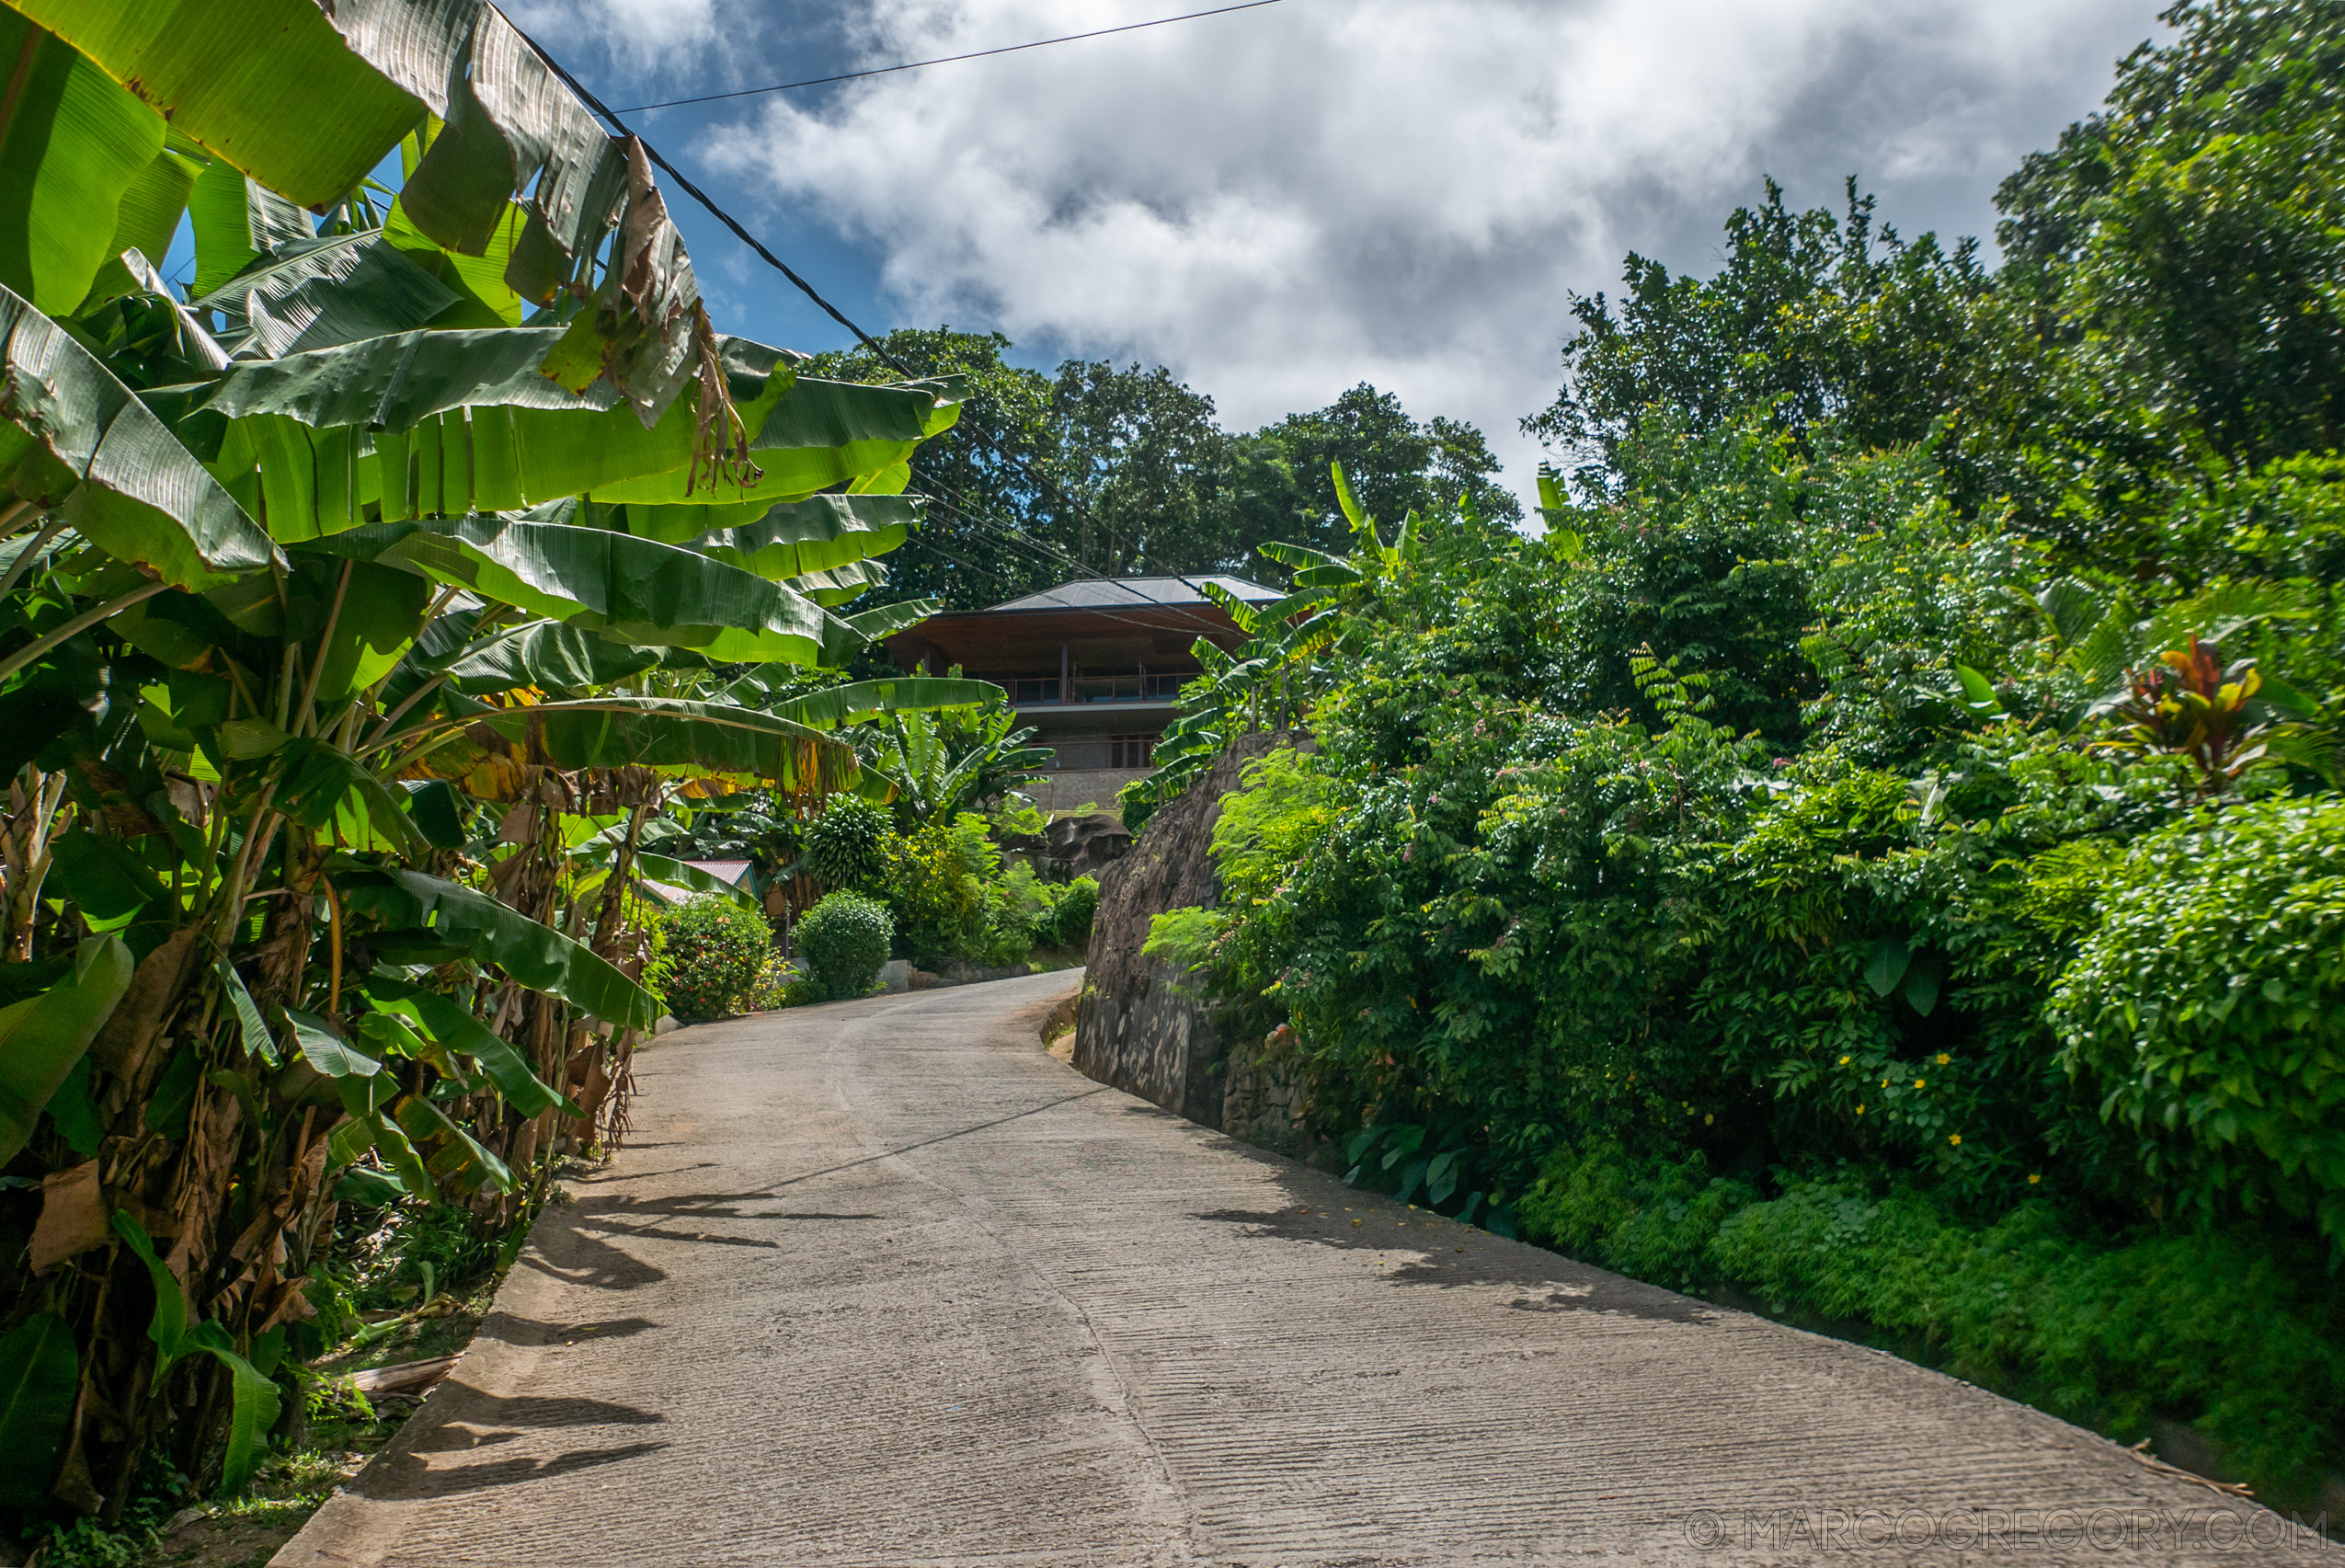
[1143,458]
[1395,466]
[990,480]
[2180,258]
[1816,317]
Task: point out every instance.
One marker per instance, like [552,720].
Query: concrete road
[882,1283]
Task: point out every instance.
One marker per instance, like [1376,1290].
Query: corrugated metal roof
[1132,594]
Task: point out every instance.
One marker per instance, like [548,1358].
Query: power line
[947,60]
[1052,555]
[840,316]
[719,214]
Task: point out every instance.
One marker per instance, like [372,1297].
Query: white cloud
[1282,203]
[642,38]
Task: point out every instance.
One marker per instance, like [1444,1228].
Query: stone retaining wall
[1141,1026]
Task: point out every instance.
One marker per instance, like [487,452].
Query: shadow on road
[1449,1254]
[507,1328]
[465,1420]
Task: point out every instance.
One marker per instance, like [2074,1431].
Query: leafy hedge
[1883,847]
[1066,921]
[2209,998]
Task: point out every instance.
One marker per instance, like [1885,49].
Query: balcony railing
[1096,689]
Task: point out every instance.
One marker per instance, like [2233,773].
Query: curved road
[882,1283]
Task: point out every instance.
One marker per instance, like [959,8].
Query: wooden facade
[1093,665]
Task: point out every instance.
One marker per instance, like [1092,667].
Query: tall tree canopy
[1123,469]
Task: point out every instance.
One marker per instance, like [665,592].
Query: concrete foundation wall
[1073,787]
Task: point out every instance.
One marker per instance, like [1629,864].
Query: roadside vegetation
[1878,854]
[340,729]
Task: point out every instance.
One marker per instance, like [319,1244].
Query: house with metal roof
[1093,665]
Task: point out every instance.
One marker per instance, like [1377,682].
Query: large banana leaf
[813,535]
[40,1375]
[426,423]
[626,731]
[491,302]
[253,1398]
[322,293]
[459,1031]
[42,1036]
[71,143]
[860,700]
[271,85]
[146,222]
[505,117]
[639,331]
[871,625]
[684,874]
[635,590]
[535,955]
[76,439]
[823,434]
[234,221]
[548,657]
[306,100]
[841,585]
[453,1157]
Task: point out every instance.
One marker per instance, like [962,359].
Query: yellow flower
[1955,1138]
[2034,1179]
[1919,1084]
[1884,1083]
[1860,1110]
[1943,1059]
[1844,1061]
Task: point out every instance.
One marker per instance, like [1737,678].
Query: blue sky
[1283,202]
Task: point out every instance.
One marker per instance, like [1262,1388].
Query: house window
[1131,750]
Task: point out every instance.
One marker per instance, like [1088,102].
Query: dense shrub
[952,898]
[1883,847]
[2209,1000]
[772,988]
[844,845]
[713,951]
[844,940]
[1068,922]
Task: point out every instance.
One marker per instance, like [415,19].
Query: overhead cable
[946,60]
[868,341]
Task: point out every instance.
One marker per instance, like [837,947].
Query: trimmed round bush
[713,952]
[843,845]
[844,940]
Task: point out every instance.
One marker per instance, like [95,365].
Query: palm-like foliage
[936,763]
[363,614]
[1269,679]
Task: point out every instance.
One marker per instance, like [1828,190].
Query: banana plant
[1268,679]
[936,764]
[359,617]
